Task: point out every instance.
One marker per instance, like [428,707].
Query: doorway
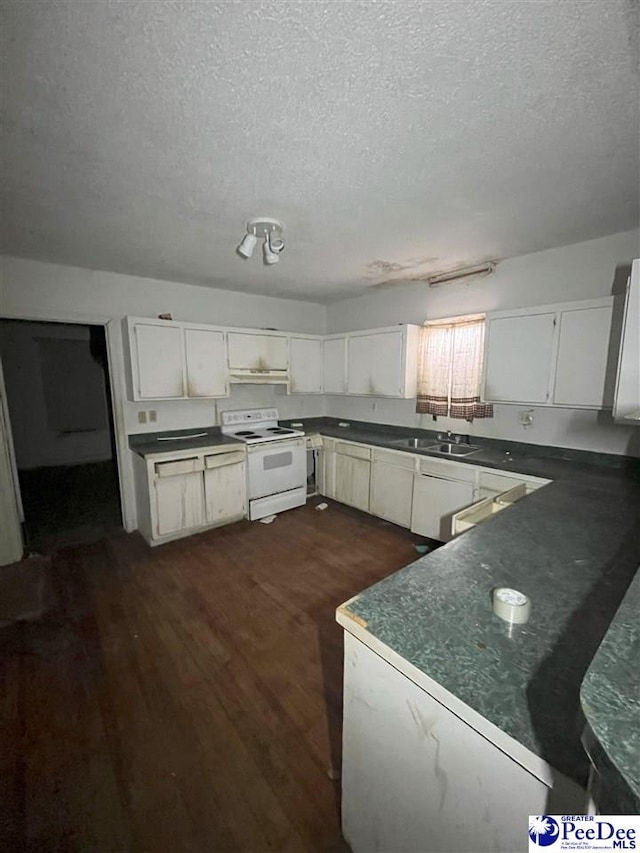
[58,395]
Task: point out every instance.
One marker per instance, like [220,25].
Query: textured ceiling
[393,138]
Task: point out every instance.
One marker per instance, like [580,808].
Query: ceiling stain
[426,275]
[379,267]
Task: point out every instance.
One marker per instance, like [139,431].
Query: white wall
[581,271]
[35,290]
[36,442]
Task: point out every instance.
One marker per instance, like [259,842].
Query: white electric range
[276,460]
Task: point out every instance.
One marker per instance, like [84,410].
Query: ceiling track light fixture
[462,274]
[267,229]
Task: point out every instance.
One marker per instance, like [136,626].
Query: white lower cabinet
[417,777]
[181,494]
[435,500]
[492,483]
[392,486]
[423,493]
[328,479]
[352,475]
[225,487]
[179,503]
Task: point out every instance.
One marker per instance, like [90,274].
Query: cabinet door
[328,473]
[159,362]
[375,364]
[257,352]
[352,481]
[391,493]
[179,503]
[225,490]
[518,358]
[334,362]
[583,350]
[434,502]
[206,363]
[305,372]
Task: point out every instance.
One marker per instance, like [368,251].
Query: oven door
[276,466]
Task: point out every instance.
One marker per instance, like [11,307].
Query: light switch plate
[142,417]
[153,416]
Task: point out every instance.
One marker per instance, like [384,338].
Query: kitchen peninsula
[456,721]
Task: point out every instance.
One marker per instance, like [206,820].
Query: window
[450,368]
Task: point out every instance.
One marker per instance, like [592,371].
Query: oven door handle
[275,445]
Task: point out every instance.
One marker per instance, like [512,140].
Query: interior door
[11,515]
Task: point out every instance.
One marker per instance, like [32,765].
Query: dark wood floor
[187,697]
[69,504]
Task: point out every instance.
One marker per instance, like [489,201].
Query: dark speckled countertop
[146,444]
[574,548]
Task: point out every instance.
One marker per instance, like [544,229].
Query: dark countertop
[610,696]
[574,548]
[551,463]
[146,444]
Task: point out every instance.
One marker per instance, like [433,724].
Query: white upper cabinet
[627,394]
[207,374]
[334,363]
[383,362]
[176,361]
[256,352]
[157,360]
[305,365]
[556,355]
[583,348]
[518,358]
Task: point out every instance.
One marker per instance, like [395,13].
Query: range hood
[246,376]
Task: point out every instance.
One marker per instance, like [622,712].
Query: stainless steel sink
[453,449]
[447,448]
[413,442]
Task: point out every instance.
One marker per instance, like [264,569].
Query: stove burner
[246,432]
[279,430]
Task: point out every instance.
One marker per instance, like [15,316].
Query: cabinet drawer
[484,509]
[498,483]
[221,459]
[392,457]
[357,451]
[180,466]
[449,470]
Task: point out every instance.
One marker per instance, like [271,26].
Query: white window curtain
[450,369]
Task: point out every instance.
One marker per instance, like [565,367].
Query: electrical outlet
[153,416]
[142,417]
[526,418]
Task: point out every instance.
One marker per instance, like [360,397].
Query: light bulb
[247,245]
